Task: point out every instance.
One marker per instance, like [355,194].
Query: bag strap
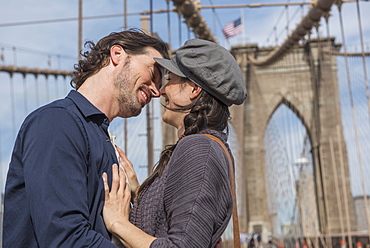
[233,190]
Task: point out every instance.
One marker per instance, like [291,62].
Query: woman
[187,201]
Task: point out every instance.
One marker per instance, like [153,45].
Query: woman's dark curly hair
[133,41]
[206,112]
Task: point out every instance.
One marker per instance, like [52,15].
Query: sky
[53,45]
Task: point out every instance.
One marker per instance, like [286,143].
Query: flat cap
[210,66]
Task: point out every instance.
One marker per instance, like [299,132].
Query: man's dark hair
[133,41]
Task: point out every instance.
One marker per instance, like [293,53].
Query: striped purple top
[190,205]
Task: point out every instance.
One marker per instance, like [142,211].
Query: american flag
[233,28]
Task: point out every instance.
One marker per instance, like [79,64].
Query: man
[244,238]
[54,193]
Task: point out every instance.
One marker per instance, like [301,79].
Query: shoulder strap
[233,191]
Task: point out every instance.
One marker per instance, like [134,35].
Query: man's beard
[127,98]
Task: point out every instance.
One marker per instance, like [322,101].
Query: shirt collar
[86,107]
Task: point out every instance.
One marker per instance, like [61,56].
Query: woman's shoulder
[194,137]
[200,146]
[195,141]
[204,138]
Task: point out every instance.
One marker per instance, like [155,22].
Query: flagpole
[242,20]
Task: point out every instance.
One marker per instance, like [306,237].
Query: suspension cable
[180,33]
[354,119]
[47,89]
[217,17]
[37,94]
[363,57]
[341,160]
[342,171]
[12,103]
[25,95]
[168,23]
[336,186]
[320,60]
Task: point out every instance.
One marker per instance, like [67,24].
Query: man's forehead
[153,52]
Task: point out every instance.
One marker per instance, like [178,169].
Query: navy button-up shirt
[54,191]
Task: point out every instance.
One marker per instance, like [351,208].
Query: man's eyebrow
[158,76]
[159,68]
[156,65]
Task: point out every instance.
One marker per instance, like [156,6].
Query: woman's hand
[130,172]
[117,201]
[116,212]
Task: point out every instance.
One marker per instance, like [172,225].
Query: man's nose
[154,91]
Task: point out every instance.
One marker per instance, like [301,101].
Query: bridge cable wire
[314,15]
[37,90]
[320,54]
[296,129]
[316,80]
[215,17]
[287,19]
[354,118]
[283,157]
[313,221]
[180,33]
[12,104]
[302,139]
[340,156]
[344,188]
[273,31]
[29,50]
[273,203]
[363,57]
[276,24]
[168,22]
[220,26]
[320,60]
[327,212]
[2,56]
[286,161]
[336,185]
[290,161]
[47,89]
[340,149]
[272,137]
[315,121]
[25,95]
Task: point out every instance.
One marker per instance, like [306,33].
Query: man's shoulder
[58,111]
[64,105]
[60,103]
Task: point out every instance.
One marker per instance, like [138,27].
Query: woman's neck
[180,131]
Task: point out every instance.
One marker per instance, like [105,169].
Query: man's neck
[100,94]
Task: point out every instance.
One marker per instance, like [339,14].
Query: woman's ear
[195,90]
[117,54]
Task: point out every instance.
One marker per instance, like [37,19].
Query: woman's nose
[161,92]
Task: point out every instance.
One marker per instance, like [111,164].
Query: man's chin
[131,113]
[136,113]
